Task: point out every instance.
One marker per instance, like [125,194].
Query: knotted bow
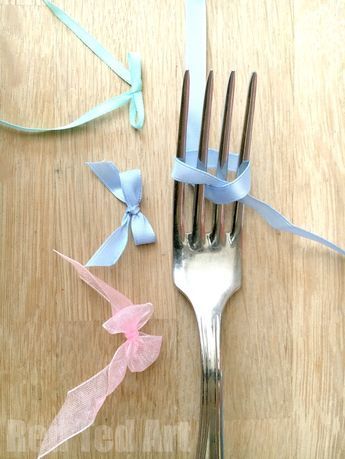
[132,76]
[137,353]
[127,187]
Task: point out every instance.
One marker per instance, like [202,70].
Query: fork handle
[210,444]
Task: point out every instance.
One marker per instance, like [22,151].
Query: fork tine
[218,233]
[198,231]
[225,137]
[179,188]
[249,118]
[182,133]
[245,149]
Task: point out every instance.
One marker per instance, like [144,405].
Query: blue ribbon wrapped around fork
[132,76]
[222,191]
[127,187]
[191,171]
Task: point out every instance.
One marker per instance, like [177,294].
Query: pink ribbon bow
[137,353]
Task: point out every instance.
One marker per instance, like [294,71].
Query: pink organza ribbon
[137,353]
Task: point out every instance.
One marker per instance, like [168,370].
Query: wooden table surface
[283,332]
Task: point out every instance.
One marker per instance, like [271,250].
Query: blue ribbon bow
[132,76]
[127,187]
[222,191]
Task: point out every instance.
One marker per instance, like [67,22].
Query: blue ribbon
[190,170]
[222,191]
[195,57]
[132,76]
[127,187]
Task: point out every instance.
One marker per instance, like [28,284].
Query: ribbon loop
[131,184]
[221,191]
[136,105]
[129,318]
[217,190]
[127,187]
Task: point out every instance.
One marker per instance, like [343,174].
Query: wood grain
[283,343]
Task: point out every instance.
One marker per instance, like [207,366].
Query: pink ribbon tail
[116,299]
[83,403]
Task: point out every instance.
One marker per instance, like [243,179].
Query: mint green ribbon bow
[132,76]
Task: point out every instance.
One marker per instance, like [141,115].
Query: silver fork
[207,266]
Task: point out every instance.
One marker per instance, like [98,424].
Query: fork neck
[210,444]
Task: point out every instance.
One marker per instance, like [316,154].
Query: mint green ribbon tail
[132,76]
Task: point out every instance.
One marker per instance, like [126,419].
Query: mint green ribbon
[132,76]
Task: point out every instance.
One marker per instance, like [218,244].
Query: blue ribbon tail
[90,42]
[142,230]
[112,248]
[280,223]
